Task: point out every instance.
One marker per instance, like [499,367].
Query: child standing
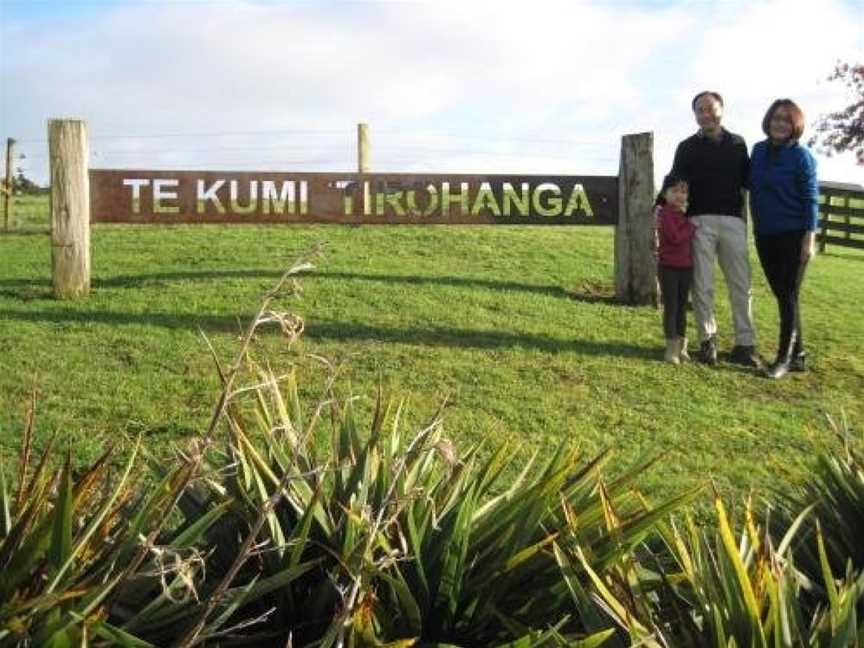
[674,264]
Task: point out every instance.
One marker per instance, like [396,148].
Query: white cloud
[754,53]
[546,87]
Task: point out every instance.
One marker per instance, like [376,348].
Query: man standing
[717,168]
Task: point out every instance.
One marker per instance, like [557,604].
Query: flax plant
[724,589]
[835,490]
[79,547]
[66,539]
[394,537]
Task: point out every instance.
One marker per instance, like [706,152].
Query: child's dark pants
[674,288]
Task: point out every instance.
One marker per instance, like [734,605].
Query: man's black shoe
[707,352]
[744,355]
[798,362]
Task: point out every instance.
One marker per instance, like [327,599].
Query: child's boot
[683,356]
[671,354]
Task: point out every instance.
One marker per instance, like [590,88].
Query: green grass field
[516,324]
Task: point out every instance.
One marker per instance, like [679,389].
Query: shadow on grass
[26,290]
[26,231]
[432,336]
[588,293]
[843,255]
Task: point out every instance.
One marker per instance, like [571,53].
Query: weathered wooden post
[363,165]
[635,234]
[823,218]
[847,204]
[70,208]
[363,148]
[7,184]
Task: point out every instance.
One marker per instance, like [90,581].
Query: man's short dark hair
[715,95]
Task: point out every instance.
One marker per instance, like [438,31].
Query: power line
[332,133]
[306,132]
[406,147]
[596,142]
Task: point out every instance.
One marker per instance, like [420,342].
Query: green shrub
[405,538]
[726,589]
[835,490]
[69,541]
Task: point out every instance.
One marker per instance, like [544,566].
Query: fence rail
[841,211]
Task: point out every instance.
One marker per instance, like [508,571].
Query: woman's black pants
[780,256]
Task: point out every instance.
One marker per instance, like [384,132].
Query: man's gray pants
[724,238]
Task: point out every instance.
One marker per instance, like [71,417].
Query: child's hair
[669,181]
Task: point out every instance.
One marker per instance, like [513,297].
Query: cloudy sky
[537,86]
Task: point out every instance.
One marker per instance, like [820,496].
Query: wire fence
[334,150]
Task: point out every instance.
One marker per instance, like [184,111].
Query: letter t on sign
[136,184]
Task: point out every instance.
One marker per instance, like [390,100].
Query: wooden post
[7,184]
[847,203]
[363,148]
[70,208]
[635,234]
[823,211]
[823,235]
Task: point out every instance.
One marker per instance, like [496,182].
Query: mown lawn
[515,324]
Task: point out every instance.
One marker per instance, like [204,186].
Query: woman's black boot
[798,361]
[781,366]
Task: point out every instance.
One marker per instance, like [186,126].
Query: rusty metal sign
[120,196]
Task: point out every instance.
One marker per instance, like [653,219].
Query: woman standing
[784,203]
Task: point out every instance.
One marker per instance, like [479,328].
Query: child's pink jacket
[675,234]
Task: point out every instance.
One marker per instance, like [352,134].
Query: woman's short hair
[795,115]
[714,95]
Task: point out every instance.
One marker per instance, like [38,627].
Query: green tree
[23,184]
[843,130]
